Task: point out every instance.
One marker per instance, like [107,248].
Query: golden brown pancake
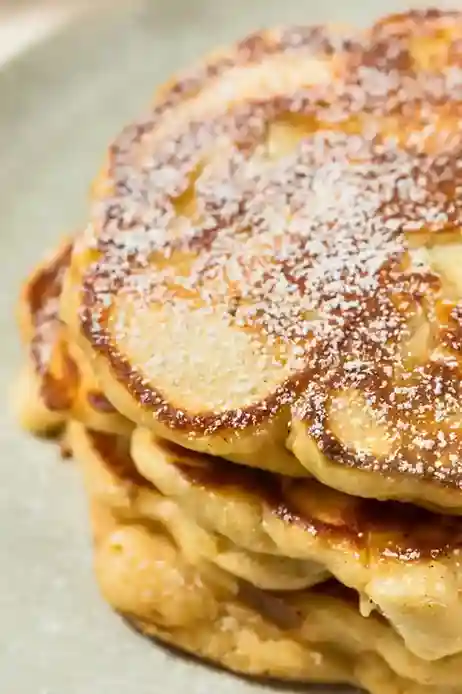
[402,560]
[271,270]
[253,350]
[111,479]
[154,566]
[56,382]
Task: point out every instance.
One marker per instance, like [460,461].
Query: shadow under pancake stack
[253,351]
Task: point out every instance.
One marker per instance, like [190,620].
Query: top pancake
[275,249]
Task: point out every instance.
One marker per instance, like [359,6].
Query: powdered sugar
[305,248]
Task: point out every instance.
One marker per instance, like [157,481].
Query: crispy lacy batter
[275,249]
[155,570]
[403,560]
[57,381]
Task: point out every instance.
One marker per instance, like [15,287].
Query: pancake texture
[253,352]
[57,382]
[403,561]
[168,577]
[270,273]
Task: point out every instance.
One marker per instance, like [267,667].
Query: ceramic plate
[59,106]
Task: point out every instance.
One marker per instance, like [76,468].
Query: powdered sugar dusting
[313,250]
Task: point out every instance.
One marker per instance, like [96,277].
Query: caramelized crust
[57,382]
[271,277]
[173,585]
[276,247]
[404,561]
[378,529]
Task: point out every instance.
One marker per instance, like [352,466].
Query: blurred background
[24,22]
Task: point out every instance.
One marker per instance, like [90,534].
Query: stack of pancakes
[254,352]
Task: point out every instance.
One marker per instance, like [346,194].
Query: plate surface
[59,106]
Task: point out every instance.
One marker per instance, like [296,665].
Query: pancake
[56,381]
[253,351]
[403,561]
[271,269]
[112,481]
[166,583]
[255,66]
